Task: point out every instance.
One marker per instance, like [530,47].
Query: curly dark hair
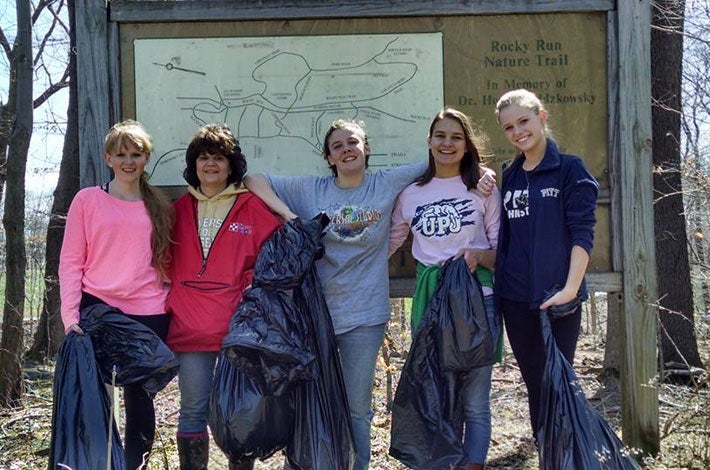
[215,139]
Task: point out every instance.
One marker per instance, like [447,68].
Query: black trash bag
[454,337]
[289,254]
[283,360]
[140,357]
[246,422]
[268,340]
[110,340]
[571,434]
[80,411]
[465,340]
[322,437]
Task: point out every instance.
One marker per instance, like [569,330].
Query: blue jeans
[358,350]
[476,394]
[195,381]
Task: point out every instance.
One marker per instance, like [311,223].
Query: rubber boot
[193,452]
[474,466]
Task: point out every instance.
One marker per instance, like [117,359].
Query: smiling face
[213,172]
[447,143]
[127,162]
[524,128]
[347,150]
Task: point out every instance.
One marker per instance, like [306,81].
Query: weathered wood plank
[114,73]
[639,319]
[93,85]
[401,287]
[604,282]
[617,263]
[137,11]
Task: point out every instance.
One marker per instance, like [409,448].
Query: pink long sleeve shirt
[106,253]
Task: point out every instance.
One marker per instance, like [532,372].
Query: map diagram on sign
[279,95]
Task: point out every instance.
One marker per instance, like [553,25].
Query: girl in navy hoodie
[546,236]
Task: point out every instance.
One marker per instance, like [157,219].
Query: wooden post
[93,83]
[638,321]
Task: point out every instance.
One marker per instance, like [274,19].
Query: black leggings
[525,336]
[140,412]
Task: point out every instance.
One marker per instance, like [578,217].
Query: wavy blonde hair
[130,133]
[525,99]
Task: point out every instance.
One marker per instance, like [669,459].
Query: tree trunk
[50,330]
[677,333]
[11,345]
[7,119]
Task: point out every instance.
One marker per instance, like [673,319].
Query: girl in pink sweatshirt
[115,251]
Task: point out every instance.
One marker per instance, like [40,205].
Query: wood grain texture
[93,85]
[639,317]
[137,11]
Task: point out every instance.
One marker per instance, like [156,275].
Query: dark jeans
[525,336]
[140,413]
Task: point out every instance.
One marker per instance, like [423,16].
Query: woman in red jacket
[219,229]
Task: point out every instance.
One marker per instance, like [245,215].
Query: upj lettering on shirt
[206,242]
[443,217]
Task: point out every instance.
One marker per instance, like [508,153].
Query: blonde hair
[130,133]
[525,99]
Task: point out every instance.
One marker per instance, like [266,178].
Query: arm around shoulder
[399,229]
[259,185]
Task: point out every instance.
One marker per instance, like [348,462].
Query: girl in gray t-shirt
[354,271]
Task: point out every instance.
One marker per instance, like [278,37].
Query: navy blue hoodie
[560,202]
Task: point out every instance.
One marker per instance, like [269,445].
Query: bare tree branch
[38,9]
[57,18]
[53,88]
[43,43]
[5,44]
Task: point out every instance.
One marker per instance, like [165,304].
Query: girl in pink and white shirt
[449,217]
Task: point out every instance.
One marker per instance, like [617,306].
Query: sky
[47,138]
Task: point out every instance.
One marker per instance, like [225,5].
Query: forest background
[39,176]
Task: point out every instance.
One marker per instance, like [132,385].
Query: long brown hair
[160,210]
[471,164]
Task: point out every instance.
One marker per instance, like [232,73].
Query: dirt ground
[684,413]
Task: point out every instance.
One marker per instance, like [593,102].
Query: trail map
[279,95]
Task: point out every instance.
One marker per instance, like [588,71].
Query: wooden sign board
[560,56]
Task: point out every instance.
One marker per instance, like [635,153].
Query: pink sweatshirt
[106,253]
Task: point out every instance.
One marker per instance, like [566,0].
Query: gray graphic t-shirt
[354,270]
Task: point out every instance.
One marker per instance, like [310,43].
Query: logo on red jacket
[240,228]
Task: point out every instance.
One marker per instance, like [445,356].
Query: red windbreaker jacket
[205,291]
